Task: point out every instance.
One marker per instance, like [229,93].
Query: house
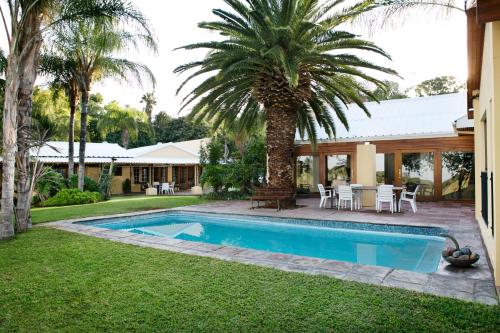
[424,140]
[177,162]
[483,85]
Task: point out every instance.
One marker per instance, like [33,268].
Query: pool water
[410,248]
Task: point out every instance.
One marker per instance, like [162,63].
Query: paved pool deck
[472,284]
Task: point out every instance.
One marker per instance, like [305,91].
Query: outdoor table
[396,189]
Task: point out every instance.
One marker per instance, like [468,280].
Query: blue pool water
[403,247]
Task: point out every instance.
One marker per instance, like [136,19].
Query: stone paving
[471,284]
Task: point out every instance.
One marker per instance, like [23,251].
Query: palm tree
[24,35]
[397,11]
[287,59]
[121,119]
[92,45]
[150,100]
[61,71]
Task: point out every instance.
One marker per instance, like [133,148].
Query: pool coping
[464,288]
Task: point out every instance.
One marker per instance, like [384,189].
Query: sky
[422,47]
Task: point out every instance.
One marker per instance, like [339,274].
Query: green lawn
[52,280]
[115,206]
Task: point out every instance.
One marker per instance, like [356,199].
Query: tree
[391,91]
[287,59]
[92,45]
[168,129]
[61,71]
[150,100]
[439,86]
[120,119]
[24,37]
[461,167]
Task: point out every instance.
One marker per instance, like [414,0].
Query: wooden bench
[272,194]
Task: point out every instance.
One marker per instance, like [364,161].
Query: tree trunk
[30,44]
[83,139]
[280,143]
[71,133]
[125,138]
[9,144]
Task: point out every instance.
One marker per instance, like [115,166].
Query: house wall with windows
[423,141]
[485,99]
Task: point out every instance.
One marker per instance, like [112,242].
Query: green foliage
[439,86]
[72,196]
[49,184]
[51,111]
[281,54]
[121,119]
[390,91]
[127,186]
[105,182]
[90,184]
[168,129]
[233,171]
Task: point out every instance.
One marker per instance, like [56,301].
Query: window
[137,176]
[418,169]
[145,174]
[385,168]
[304,172]
[338,169]
[118,171]
[458,175]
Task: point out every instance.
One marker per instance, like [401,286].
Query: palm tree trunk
[9,145]
[31,43]
[71,134]
[280,142]
[125,138]
[83,139]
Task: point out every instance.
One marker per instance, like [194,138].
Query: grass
[57,281]
[115,206]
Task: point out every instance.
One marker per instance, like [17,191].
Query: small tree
[439,86]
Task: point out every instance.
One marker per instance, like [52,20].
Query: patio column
[315,173]
[170,174]
[366,171]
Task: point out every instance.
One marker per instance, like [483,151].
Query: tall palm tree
[29,21]
[150,100]
[61,71]
[287,59]
[121,119]
[92,46]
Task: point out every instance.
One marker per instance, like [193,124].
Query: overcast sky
[425,47]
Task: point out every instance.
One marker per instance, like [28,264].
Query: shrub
[90,184]
[127,186]
[48,185]
[73,196]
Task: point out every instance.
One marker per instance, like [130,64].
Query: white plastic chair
[172,187]
[410,197]
[325,195]
[165,188]
[385,194]
[345,195]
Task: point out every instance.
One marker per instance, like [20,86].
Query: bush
[73,196]
[90,184]
[48,185]
[127,186]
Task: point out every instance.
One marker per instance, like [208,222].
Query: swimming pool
[403,247]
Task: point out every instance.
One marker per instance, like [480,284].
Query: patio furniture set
[344,196]
[161,188]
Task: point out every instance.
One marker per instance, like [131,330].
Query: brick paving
[471,284]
